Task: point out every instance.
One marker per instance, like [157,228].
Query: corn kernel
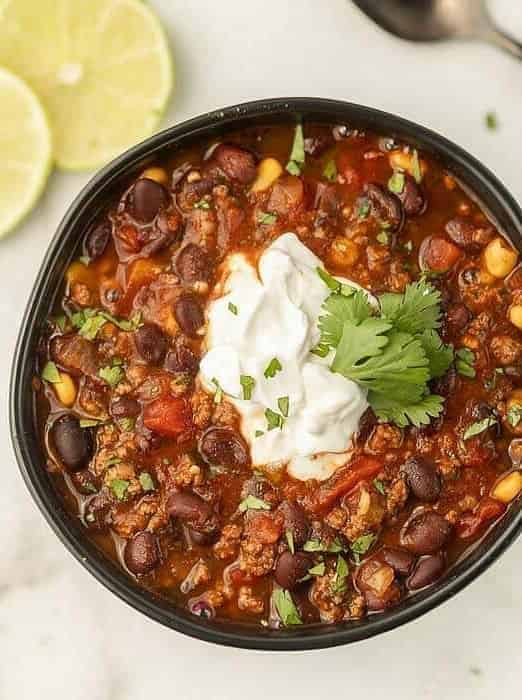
[156,174]
[499,258]
[268,170]
[508,487]
[65,390]
[515,316]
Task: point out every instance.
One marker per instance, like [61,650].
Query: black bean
[291,568]
[97,240]
[386,206]
[147,197]
[458,317]
[423,479]
[189,314]
[412,198]
[427,571]
[141,553]
[182,359]
[296,521]
[192,510]
[193,264]
[426,533]
[151,343]
[400,560]
[73,444]
[462,232]
[124,407]
[237,163]
[222,446]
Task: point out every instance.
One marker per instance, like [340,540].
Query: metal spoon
[435,20]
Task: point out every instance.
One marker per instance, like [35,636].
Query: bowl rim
[22,432]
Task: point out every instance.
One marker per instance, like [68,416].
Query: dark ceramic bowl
[494,198]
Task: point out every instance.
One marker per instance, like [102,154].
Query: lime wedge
[26,148]
[102,69]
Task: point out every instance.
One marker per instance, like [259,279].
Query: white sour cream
[277,310]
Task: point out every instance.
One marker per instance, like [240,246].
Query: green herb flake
[363,209]
[258,433]
[317,546]
[318,569]
[218,395]
[290,540]
[383,238]
[253,503]
[247,384]
[491,121]
[283,404]
[92,325]
[51,374]
[126,424]
[362,544]
[514,415]
[232,308]
[273,420]
[320,350]
[202,204]
[297,155]
[464,359]
[267,218]
[341,573]
[112,461]
[332,284]
[119,488]
[122,323]
[111,375]
[286,608]
[416,168]
[396,183]
[479,427]
[330,171]
[379,486]
[89,422]
[273,367]
[147,484]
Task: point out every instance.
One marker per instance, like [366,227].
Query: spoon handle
[504,41]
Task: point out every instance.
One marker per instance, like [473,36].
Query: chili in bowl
[277,374]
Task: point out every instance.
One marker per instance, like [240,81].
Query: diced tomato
[167,416]
[438,254]
[344,480]
[487,510]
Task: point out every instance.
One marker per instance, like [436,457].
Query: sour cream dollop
[269,315]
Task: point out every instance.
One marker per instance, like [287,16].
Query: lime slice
[26,148]
[102,69]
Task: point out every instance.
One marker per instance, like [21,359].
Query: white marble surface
[64,636]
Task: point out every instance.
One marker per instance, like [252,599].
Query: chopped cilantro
[92,325]
[514,415]
[317,546]
[341,573]
[491,121]
[290,540]
[253,503]
[218,395]
[61,322]
[126,424]
[361,545]
[119,488]
[479,427]
[283,404]
[318,569]
[247,384]
[297,155]
[89,422]
[112,460]
[286,608]
[273,367]
[112,375]
[273,420]
[416,167]
[379,486]
[363,209]
[396,183]
[232,308]
[51,374]
[267,219]
[330,171]
[202,204]
[464,362]
[383,237]
[147,484]
[258,433]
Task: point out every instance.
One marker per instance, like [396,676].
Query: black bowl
[494,198]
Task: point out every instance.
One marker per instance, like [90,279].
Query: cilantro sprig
[393,352]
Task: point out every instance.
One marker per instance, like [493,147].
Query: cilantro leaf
[402,414]
[297,155]
[253,503]
[247,384]
[286,608]
[439,356]
[415,311]
[330,171]
[479,427]
[339,309]
[147,484]
[112,375]
[92,325]
[119,488]
[273,367]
